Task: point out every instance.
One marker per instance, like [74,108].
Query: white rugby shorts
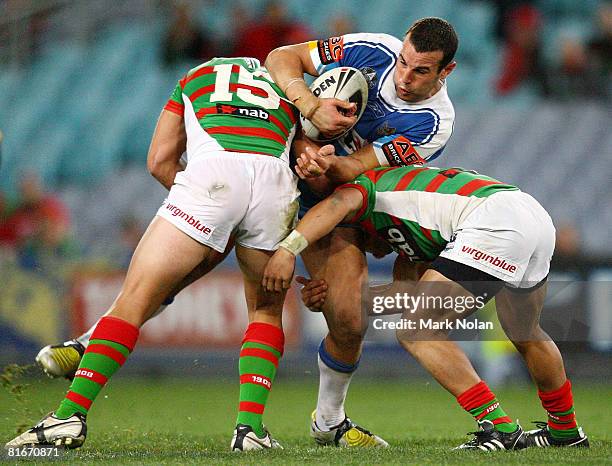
[253,195]
[509,236]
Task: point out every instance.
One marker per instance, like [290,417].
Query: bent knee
[347,332]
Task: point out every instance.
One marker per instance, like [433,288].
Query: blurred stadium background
[81,86]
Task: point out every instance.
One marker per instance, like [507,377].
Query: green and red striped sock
[481,403]
[111,343]
[559,404]
[262,347]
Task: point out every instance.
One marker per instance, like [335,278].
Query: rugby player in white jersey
[408,119]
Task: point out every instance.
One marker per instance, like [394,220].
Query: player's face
[417,75]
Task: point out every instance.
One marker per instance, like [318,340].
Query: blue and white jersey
[402,133]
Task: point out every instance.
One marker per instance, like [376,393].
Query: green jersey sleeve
[368,193]
[175,102]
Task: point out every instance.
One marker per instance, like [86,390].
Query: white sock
[333,386]
[84,339]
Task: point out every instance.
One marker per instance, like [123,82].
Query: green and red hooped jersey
[417,209]
[238,104]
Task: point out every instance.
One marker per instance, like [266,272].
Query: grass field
[187,421]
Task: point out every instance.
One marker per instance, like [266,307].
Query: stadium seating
[101,101]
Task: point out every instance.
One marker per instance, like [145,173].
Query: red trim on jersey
[116,330]
[174,107]
[259,353]
[279,125]
[435,183]
[395,220]
[213,110]
[427,233]
[242,131]
[92,375]
[201,72]
[205,111]
[266,334]
[475,185]
[251,407]
[290,111]
[374,175]
[368,226]
[252,378]
[364,201]
[233,87]
[201,91]
[107,351]
[407,178]
[247,151]
[79,399]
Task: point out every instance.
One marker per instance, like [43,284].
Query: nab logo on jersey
[400,152]
[249,112]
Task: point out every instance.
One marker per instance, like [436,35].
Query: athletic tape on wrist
[292,82]
[295,243]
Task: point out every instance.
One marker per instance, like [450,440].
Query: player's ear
[447,69]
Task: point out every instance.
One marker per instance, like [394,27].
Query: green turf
[187,421]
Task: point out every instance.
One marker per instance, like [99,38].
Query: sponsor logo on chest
[400,152]
[249,112]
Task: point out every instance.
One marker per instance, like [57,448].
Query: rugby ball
[342,83]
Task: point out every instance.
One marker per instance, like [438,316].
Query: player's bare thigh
[212,259]
[435,291]
[519,313]
[164,256]
[340,260]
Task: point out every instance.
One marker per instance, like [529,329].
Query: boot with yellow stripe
[345,434]
[61,360]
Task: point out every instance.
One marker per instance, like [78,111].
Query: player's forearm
[344,169]
[323,218]
[163,168]
[168,144]
[287,69]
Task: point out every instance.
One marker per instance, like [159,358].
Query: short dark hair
[432,34]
